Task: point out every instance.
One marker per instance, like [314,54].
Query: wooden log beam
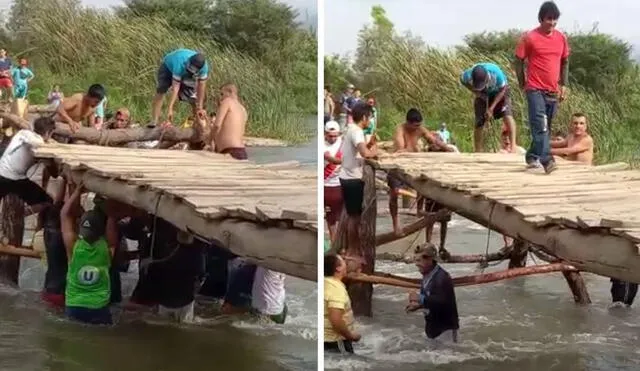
[577,286]
[12,212]
[582,248]
[476,279]
[412,228]
[260,244]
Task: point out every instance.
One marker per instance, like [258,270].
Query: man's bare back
[74,108]
[230,122]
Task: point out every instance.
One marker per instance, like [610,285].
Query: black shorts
[352,195]
[165,79]
[481,104]
[28,191]
[395,183]
[340,346]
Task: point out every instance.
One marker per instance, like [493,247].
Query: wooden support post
[578,287]
[13,230]
[518,256]
[361,293]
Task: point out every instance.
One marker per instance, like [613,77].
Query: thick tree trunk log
[413,283]
[361,293]
[578,287]
[13,231]
[518,257]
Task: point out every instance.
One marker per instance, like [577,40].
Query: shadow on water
[526,324]
[33,338]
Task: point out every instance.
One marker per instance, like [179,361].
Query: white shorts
[181,315]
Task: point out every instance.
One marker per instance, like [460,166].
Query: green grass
[428,79]
[79,47]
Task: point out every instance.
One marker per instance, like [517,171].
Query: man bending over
[80,107]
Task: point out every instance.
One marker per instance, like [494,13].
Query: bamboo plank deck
[201,189]
[595,199]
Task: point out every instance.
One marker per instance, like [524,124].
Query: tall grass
[428,79]
[76,47]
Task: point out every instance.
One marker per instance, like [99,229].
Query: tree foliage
[185,15]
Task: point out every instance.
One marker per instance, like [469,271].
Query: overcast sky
[306,8]
[444,22]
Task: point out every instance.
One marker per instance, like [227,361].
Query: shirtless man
[80,107]
[578,146]
[227,133]
[405,139]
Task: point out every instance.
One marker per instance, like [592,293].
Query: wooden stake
[578,287]
[518,256]
[13,230]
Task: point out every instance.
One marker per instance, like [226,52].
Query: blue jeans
[542,109]
[100,316]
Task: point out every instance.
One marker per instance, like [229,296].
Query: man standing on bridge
[185,71]
[489,84]
[546,53]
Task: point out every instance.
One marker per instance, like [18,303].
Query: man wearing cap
[437,297]
[90,247]
[489,84]
[332,161]
[545,50]
[185,71]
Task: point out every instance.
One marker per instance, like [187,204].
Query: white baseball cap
[331,126]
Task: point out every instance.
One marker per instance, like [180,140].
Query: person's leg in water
[623,292]
[353,196]
[394,192]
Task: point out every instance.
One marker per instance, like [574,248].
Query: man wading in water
[227,133]
[578,145]
[339,333]
[185,72]
[437,297]
[405,139]
[546,53]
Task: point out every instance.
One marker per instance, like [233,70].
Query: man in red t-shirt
[545,51]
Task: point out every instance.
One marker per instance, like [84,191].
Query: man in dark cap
[185,71]
[88,290]
[489,84]
[437,297]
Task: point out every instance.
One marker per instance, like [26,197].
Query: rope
[145,263]
[486,251]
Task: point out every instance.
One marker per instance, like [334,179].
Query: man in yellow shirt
[339,333]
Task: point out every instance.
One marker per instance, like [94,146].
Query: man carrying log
[578,145]
[18,158]
[227,131]
[80,107]
[437,297]
[185,72]
[546,53]
[405,139]
[489,85]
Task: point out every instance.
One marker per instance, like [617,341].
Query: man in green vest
[88,290]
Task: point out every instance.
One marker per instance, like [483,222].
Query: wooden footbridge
[266,213]
[585,216]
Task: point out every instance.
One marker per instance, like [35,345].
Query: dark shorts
[502,109]
[395,183]
[431,206]
[237,153]
[352,195]
[240,283]
[164,81]
[332,204]
[340,346]
[623,291]
[28,191]
[100,316]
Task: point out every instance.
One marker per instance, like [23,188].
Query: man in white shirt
[268,294]
[354,149]
[332,161]
[18,158]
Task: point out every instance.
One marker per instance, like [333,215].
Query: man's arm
[582,146]
[331,159]
[365,151]
[223,110]
[562,143]
[435,140]
[111,232]
[64,107]
[68,221]
[499,97]
[32,139]
[201,86]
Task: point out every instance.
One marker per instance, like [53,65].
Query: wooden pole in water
[518,256]
[12,212]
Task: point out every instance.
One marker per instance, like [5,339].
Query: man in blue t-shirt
[185,71]
[489,84]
